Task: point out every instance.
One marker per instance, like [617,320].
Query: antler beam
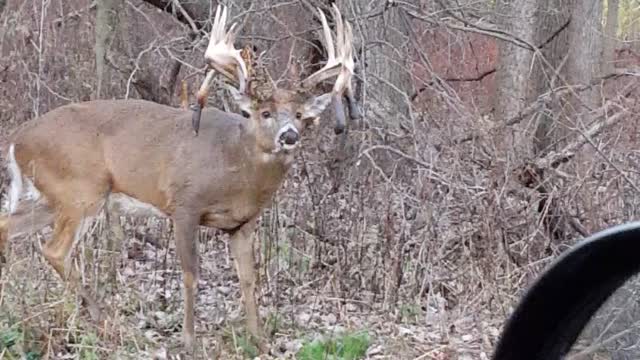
[340,64]
[223,57]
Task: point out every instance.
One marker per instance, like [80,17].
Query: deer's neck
[263,152]
[273,168]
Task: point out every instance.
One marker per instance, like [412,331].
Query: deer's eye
[266,114]
[298,115]
[245,114]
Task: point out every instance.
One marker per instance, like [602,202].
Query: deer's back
[145,150]
[91,146]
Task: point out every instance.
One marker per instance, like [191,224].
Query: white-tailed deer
[65,164]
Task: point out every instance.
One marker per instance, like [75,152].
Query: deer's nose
[290,137]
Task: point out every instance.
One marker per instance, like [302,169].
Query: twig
[137,67]
[554,159]
[462,79]
[186,16]
[164,6]
[43,10]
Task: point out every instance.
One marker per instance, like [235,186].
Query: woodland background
[495,135]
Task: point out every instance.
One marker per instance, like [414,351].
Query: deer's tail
[557,307]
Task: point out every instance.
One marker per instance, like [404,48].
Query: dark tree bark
[512,75]
[125,54]
[574,56]
[387,60]
[610,40]
[585,48]
[552,15]
[105,23]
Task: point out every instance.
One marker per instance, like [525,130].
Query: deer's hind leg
[74,202]
[69,225]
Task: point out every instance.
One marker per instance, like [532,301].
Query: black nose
[290,137]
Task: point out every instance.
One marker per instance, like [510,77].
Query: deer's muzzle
[287,138]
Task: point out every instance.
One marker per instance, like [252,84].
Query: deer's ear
[243,100]
[316,105]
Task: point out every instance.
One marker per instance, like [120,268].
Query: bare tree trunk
[610,36]
[387,59]
[513,81]
[105,22]
[554,36]
[579,65]
[547,31]
[585,44]
[629,14]
[551,21]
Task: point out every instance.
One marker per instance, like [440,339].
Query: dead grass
[143,300]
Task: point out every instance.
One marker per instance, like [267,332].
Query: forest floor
[141,287]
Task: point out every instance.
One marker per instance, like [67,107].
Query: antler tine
[349,63]
[332,67]
[340,38]
[223,57]
[340,59]
[327,37]
[344,39]
[216,25]
[339,64]
[345,52]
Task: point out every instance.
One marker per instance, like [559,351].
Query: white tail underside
[16,180]
[18,183]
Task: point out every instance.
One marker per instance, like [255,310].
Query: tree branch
[548,97]
[462,79]
[188,14]
[188,18]
[556,158]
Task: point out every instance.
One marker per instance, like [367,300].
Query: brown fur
[79,153]
[87,152]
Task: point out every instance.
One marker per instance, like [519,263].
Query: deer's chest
[236,208]
[241,194]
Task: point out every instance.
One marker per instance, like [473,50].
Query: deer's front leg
[185,227]
[242,251]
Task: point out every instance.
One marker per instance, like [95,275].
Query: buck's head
[276,116]
[279,119]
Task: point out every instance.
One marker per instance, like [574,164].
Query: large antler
[339,64]
[223,57]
